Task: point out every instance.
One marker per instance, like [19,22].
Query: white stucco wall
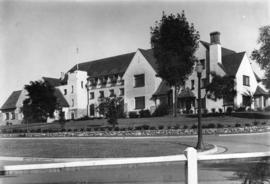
[139,65]
[244,69]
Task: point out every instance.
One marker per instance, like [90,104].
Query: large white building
[133,76]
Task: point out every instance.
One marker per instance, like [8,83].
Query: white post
[191,168]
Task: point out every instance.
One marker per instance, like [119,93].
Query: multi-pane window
[122,92]
[92,95]
[139,80]
[140,102]
[13,115]
[112,93]
[192,84]
[101,94]
[65,91]
[245,80]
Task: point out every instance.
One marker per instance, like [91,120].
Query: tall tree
[41,102]
[174,41]
[262,55]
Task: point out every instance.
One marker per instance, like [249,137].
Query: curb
[91,162]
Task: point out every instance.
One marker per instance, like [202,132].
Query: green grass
[92,148]
[153,121]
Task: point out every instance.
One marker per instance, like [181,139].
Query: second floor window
[203,63]
[7,116]
[245,80]
[82,84]
[122,92]
[192,84]
[101,94]
[139,80]
[92,95]
[72,89]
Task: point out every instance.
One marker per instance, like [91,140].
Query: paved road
[156,173]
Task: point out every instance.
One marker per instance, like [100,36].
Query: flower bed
[142,133]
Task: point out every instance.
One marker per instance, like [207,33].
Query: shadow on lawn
[248,172]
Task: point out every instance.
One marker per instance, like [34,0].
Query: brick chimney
[215,51]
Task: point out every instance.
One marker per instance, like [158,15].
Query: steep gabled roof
[12,100]
[52,81]
[232,62]
[149,56]
[260,92]
[163,89]
[60,98]
[107,66]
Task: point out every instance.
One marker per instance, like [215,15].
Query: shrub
[220,110]
[145,113]
[247,124]
[228,126]
[255,123]
[133,114]
[185,127]
[177,127]
[116,129]
[237,125]
[152,128]
[145,127]
[194,126]
[220,125]
[205,111]
[241,109]
[161,110]
[169,127]
[88,129]
[213,110]
[138,128]
[229,110]
[160,127]
[263,123]
[211,125]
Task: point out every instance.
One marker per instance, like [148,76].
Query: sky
[40,38]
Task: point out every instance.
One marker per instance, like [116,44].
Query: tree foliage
[41,102]
[221,87]
[174,41]
[112,107]
[262,55]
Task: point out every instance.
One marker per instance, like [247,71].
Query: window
[245,80]
[72,103]
[192,84]
[122,92]
[203,83]
[82,84]
[203,63]
[92,95]
[7,116]
[13,115]
[65,91]
[101,94]
[72,89]
[112,93]
[140,102]
[139,80]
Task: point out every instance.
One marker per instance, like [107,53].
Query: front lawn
[92,148]
[166,122]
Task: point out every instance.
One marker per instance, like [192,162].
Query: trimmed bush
[145,127]
[133,114]
[247,124]
[211,125]
[185,127]
[237,125]
[145,113]
[161,110]
[255,123]
[229,110]
[194,127]
[160,127]
[220,125]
